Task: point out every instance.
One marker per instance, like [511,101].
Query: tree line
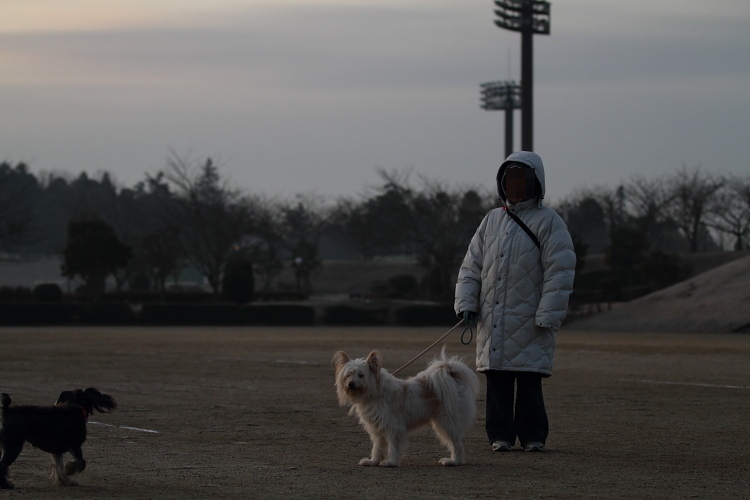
[691,210]
[644,224]
[188,214]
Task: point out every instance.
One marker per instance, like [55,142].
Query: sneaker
[501,446]
[533,446]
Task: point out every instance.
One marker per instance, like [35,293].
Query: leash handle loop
[471,335]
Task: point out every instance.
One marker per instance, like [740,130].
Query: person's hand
[470,319]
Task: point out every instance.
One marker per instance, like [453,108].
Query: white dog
[443,395]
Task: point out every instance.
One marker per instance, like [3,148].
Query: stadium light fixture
[502,96]
[529,17]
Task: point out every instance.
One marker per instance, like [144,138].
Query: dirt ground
[252,413]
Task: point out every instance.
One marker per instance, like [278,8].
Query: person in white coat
[513,285]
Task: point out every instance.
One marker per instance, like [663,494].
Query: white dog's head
[356,379]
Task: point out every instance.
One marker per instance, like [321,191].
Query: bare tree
[732,213]
[612,202]
[693,192]
[161,252]
[213,216]
[439,220]
[648,202]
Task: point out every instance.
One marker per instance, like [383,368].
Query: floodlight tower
[529,17]
[503,96]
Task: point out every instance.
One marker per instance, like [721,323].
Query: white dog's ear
[373,362]
[339,359]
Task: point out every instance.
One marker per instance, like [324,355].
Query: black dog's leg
[77,464]
[11,451]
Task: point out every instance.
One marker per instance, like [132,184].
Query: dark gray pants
[529,420]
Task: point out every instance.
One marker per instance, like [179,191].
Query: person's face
[520,183]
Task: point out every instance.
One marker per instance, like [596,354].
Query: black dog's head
[90,399]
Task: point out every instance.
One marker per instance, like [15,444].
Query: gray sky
[312,96]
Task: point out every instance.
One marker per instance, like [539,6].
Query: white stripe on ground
[125,427]
[690,383]
[137,429]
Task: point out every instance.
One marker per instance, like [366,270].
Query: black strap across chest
[524,227]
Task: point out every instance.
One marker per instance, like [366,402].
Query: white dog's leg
[378,448]
[396,439]
[453,441]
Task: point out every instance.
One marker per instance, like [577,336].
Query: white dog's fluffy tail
[451,380]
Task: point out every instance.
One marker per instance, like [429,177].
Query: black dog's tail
[5,401]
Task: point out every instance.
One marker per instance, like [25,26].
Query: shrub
[140,282]
[226,314]
[278,296]
[660,270]
[188,296]
[93,251]
[426,315]
[47,292]
[107,314]
[596,286]
[281,314]
[403,285]
[17,294]
[432,284]
[347,315]
[238,282]
[190,314]
[147,297]
[36,313]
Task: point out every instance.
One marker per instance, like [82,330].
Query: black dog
[55,429]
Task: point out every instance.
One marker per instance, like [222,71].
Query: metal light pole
[529,17]
[504,96]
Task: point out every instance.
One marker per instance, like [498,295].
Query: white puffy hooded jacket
[519,292]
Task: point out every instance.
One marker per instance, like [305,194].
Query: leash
[412,360]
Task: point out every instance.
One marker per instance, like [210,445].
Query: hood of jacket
[528,158]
